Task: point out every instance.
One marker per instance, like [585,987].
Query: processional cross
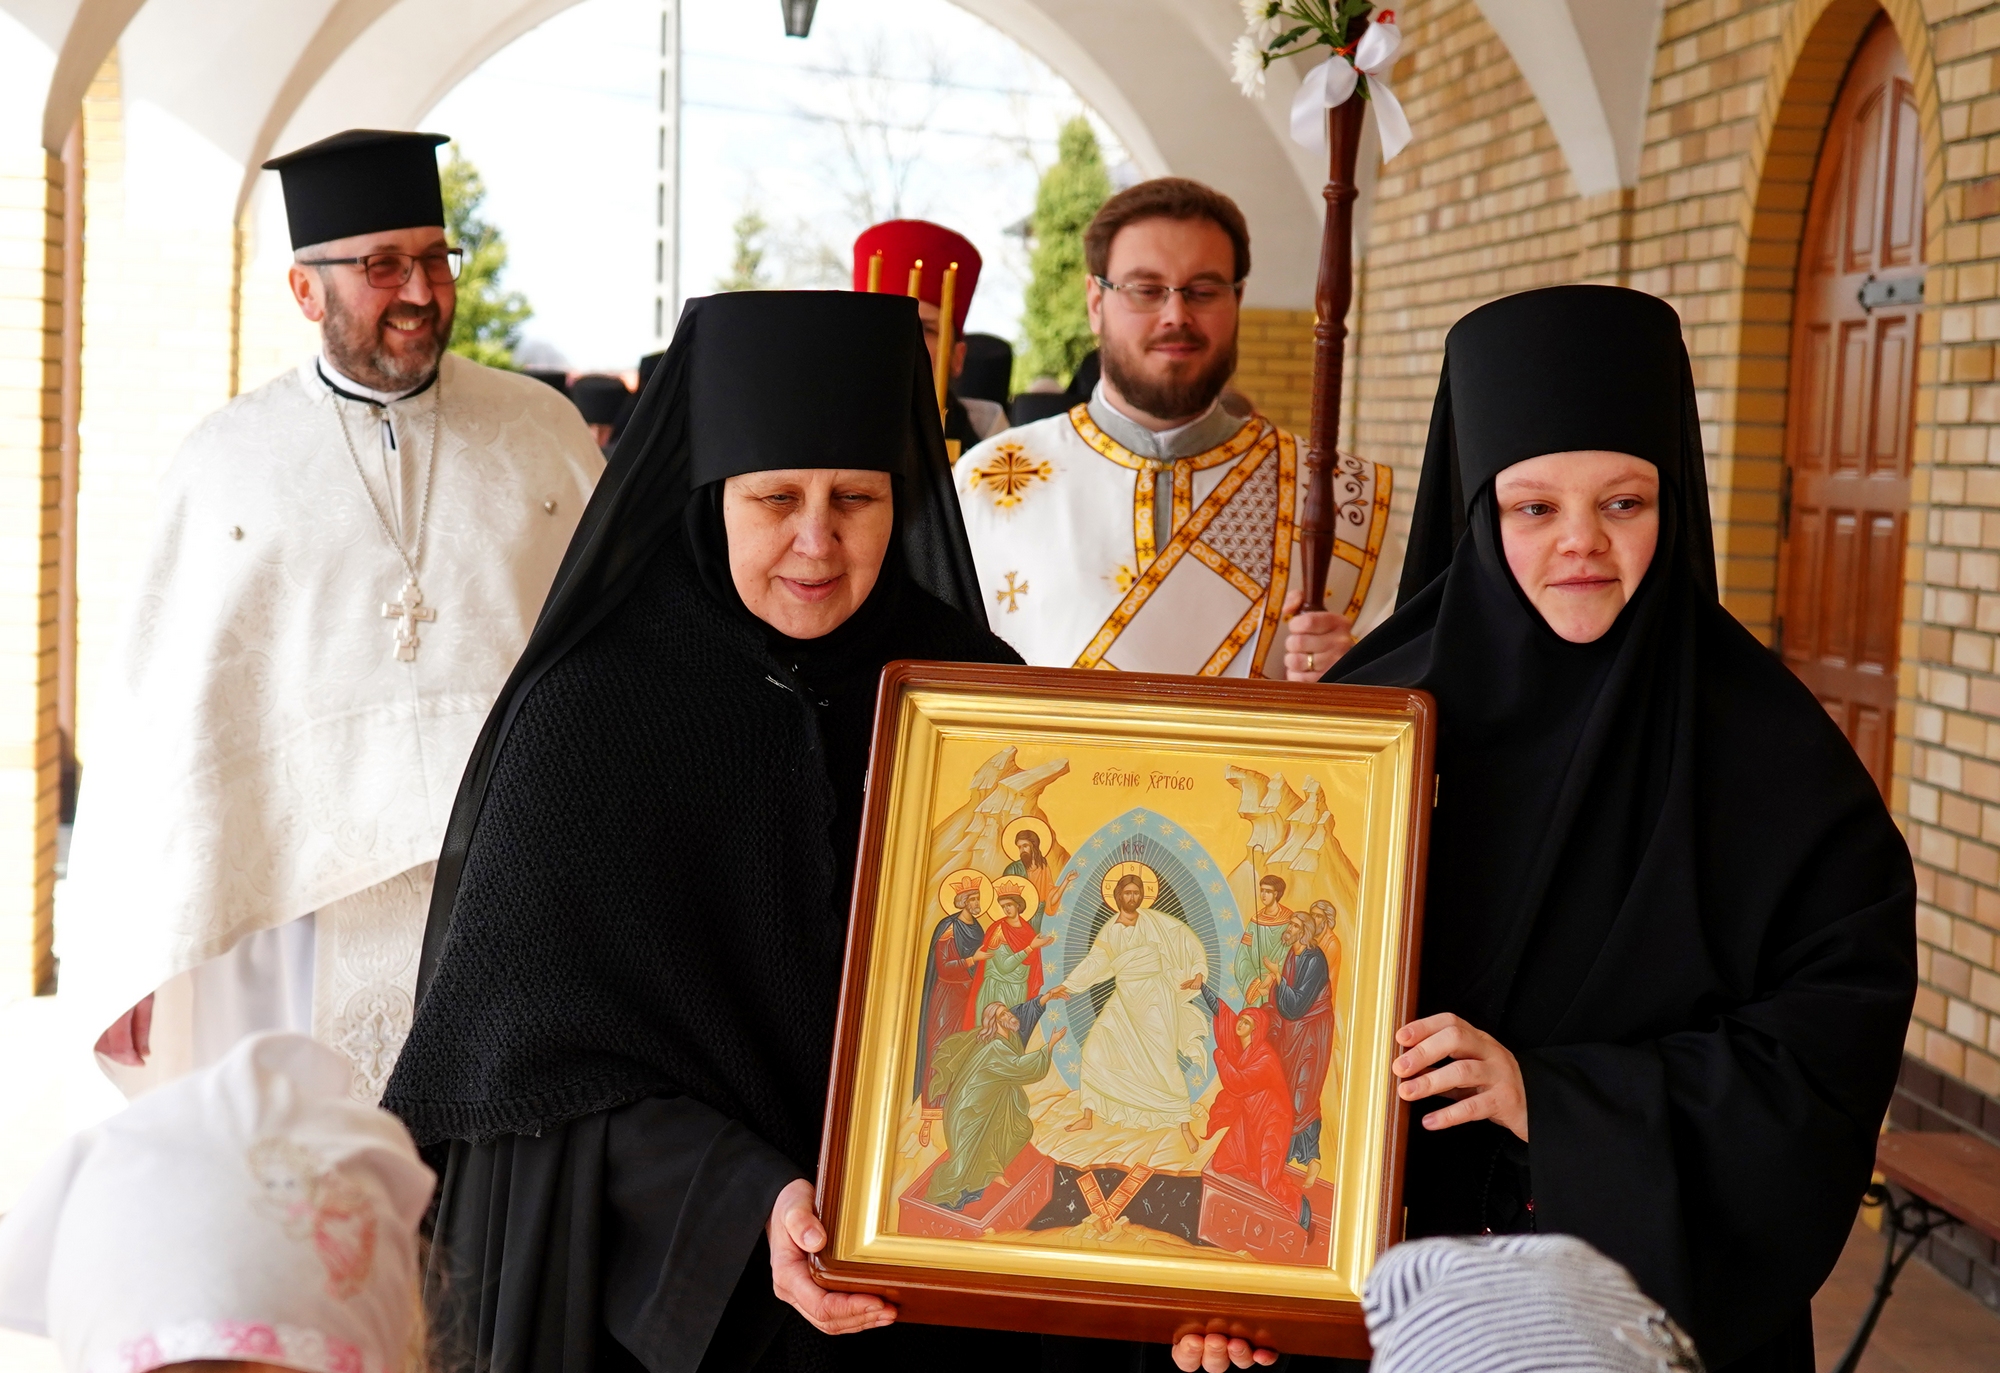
[409,608]
[1365,42]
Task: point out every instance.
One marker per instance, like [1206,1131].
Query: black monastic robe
[1658,873]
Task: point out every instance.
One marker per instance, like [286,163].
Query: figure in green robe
[1261,955]
[1010,959]
[983,1076]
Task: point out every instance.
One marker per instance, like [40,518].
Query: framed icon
[1125,965]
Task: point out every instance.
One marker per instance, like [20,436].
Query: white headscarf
[251,1211]
[1511,1302]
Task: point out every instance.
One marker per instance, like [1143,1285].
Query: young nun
[634,954]
[1669,935]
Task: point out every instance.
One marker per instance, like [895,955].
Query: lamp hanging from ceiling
[798,17]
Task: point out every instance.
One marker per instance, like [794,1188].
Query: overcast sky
[892,106]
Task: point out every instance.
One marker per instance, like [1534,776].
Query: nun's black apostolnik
[630,973]
[1658,874]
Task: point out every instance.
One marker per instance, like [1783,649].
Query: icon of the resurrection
[1132,998]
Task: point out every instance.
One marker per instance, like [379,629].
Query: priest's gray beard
[1175,396]
[358,345]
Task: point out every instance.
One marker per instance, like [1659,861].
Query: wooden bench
[1951,1180]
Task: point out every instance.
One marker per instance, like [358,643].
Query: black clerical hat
[362,181]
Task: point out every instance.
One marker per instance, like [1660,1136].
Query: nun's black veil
[627,995]
[1658,873]
[750,409]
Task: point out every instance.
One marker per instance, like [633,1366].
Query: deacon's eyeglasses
[1150,297]
[393,269]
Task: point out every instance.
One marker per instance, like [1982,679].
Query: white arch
[257,76]
[1590,65]
[1156,70]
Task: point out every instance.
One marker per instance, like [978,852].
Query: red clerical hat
[902,244]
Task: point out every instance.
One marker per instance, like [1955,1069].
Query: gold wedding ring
[1309,662]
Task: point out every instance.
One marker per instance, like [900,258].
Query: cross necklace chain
[408,609]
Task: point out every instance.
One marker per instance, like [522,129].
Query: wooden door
[1846,485]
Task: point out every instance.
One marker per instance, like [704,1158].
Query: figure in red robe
[1254,1106]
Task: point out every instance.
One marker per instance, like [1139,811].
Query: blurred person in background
[252,1215]
[1506,1302]
[601,399]
[902,245]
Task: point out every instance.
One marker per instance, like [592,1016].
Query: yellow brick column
[1274,365]
[31,298]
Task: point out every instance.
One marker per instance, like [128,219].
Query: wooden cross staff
[1330,302]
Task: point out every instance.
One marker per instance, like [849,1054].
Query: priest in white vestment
[346,564]
[1155,527]
[1130,1069]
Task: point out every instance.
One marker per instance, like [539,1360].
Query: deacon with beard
[347,562]
[1153,528]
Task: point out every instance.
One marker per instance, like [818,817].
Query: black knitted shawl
[653,900]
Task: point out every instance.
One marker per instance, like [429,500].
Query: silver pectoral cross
[410,610]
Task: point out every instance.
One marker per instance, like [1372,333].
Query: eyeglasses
[1149,297]
[393,269]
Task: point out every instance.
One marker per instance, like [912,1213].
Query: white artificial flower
[1248,58]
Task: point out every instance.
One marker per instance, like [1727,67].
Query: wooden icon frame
[931,719]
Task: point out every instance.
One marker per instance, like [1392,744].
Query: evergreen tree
[488,325]
[1055,328]
[746,266]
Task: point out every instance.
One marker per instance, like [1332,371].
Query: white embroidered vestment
[259,750]
[1082,570]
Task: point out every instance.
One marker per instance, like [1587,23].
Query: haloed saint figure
[1131,1072]
[948,985]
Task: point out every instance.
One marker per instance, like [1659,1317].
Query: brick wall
[31,286]
[1274,350]
[1480,205]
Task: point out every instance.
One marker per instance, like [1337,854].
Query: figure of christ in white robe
[1130,1071]
[268,780]
[1104,545]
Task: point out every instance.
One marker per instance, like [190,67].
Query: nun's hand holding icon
[795,1234]
[1315,640]
[1482,1078]
[1216,1353]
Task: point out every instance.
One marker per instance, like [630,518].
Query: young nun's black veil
[1659,874]
[627,1000]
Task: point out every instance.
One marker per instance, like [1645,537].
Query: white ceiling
[254,77]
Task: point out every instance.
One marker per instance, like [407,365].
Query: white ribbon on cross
[1332,83]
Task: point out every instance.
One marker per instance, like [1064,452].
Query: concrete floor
[1929,1325]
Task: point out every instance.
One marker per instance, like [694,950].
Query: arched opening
[1844,493]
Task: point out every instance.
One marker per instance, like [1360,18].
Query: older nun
[1669,942]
